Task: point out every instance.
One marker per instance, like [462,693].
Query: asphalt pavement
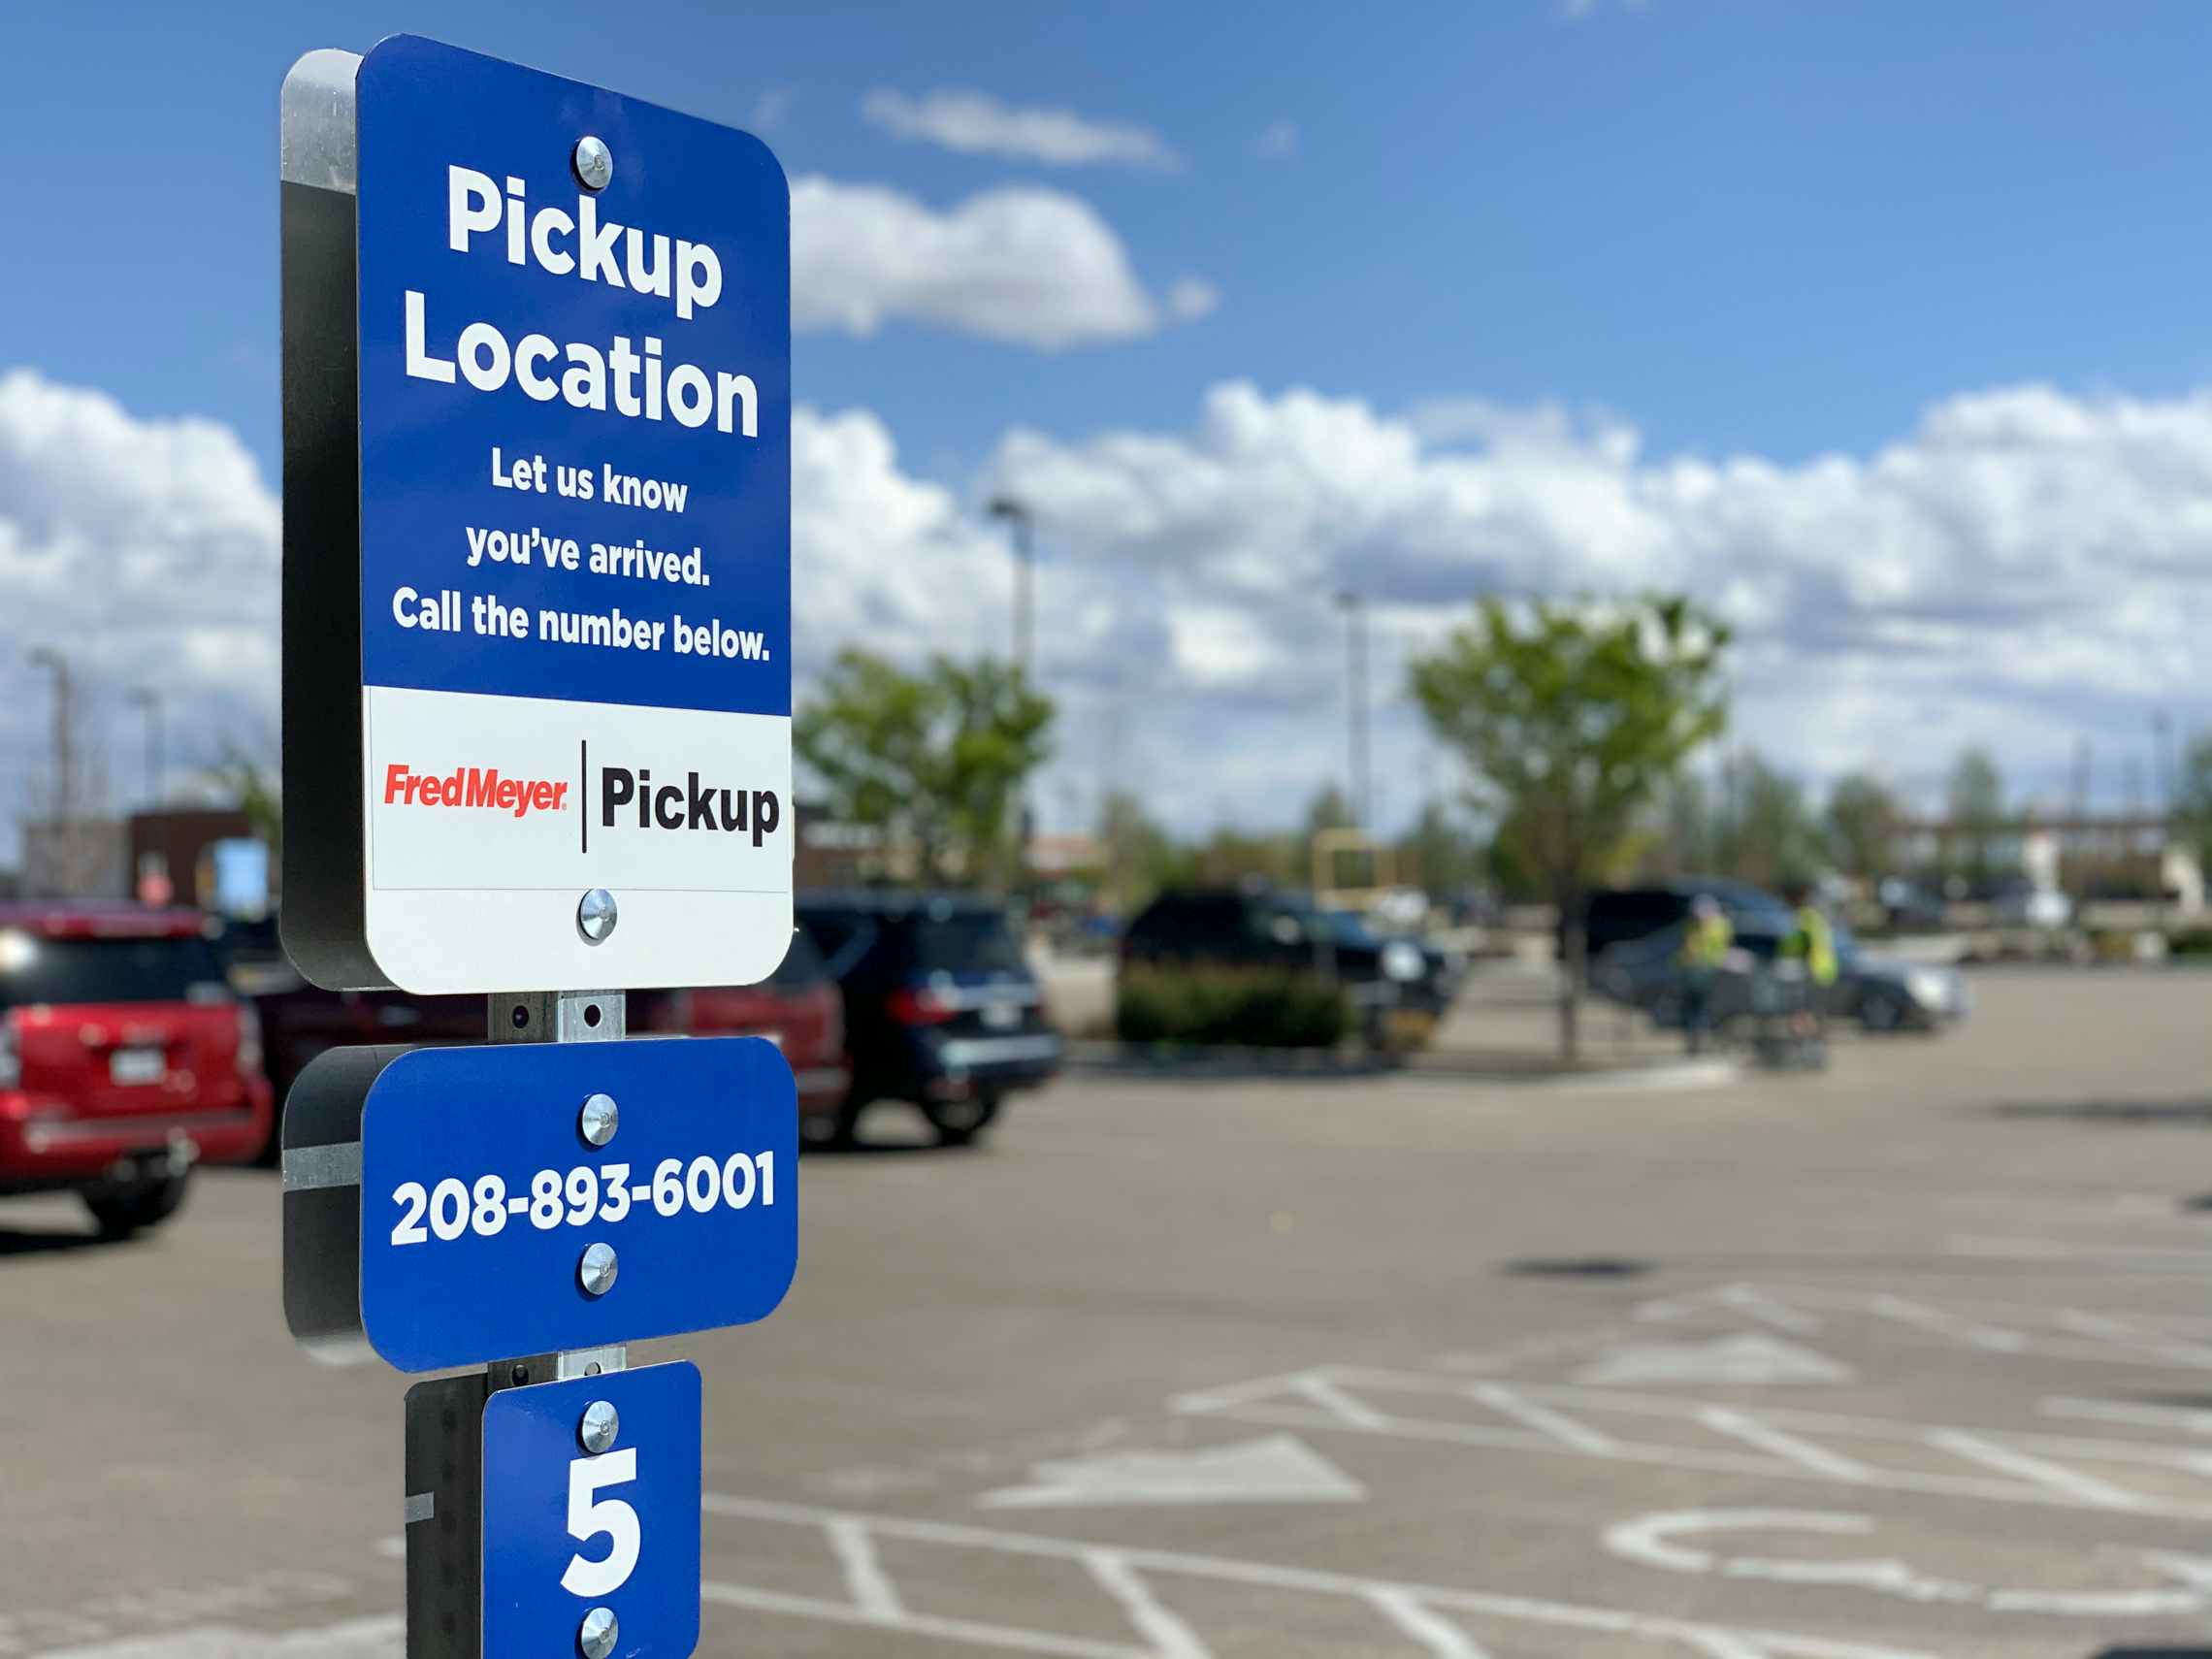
[1914,1356]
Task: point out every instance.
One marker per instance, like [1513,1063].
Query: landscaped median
[1231,1022]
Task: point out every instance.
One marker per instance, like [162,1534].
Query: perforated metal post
[445,1419]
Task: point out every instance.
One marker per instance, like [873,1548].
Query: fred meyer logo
[627,799]
[473,787]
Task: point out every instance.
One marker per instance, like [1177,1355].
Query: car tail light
[920,1005]
[11,1052]
[248,1037]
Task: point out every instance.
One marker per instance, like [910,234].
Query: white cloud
[145,550]
[1034,266]
[975,124]
[882,559]
[771,107]
[1278,140]
[1191,298]
[2022,566]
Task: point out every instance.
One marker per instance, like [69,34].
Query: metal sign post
[536,730]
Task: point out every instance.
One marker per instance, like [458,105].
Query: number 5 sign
[591,1516]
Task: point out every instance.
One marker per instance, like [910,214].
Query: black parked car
[1387,981]
[940,1008]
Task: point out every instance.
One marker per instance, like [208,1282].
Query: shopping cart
[1785,1023]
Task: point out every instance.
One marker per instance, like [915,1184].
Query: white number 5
[611,1515]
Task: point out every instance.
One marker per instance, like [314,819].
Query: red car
[125,1059]
[798,1007]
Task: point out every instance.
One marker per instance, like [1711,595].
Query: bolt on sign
[537,532]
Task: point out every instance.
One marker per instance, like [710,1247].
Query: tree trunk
[1574,969]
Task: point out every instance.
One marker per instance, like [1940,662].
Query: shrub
[1246,1007]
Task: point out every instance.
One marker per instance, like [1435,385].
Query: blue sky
[1579,254]
[1743,225]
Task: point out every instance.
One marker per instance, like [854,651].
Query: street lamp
[1354,608]
[149,699]
[1023,524]
[64,750]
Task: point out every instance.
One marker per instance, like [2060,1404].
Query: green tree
[241,782]
[1438,853]
[935,759]
[1571,718]
[1688,835]
[1765,833]
[2193,798]
[1975,799]
[1862,821]
[1139,857]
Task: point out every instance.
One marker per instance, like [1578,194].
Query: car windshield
[1348,927]
[964,941]
[36,970]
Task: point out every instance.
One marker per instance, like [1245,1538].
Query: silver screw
[594,163]
[602,1423]
[599,1120]
[595,1272]
[598,1633]
[596,915]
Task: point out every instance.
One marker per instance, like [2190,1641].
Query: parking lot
[1911,1357]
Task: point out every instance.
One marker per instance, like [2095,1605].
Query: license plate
[1001,1016]
[132,1066]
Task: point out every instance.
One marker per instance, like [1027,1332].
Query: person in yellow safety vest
[1706,940]
[1814,940]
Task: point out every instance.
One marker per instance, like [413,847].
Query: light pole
[1023,524]
[149,699]
[64,747]
[1354,609]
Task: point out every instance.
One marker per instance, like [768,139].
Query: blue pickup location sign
[592,1511]
[498,1218]
[574,437]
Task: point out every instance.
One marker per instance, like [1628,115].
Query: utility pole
[149,699]
[1354,609]
[64,758]
[1023,524]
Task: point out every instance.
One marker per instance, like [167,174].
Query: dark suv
[940,1008]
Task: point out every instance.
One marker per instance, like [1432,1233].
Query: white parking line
[2127,1412]
[1170,1637]
[1437,1634]
[1129,1568]
[2054,1332]
[865,1577]
[2087,1489]
[1742,1425]
[1511,1403]
[1768,1440]
[1336,1401]
[1924,1318]
[960,1630]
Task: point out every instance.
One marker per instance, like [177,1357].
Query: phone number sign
[530,1198]
[591,1516]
